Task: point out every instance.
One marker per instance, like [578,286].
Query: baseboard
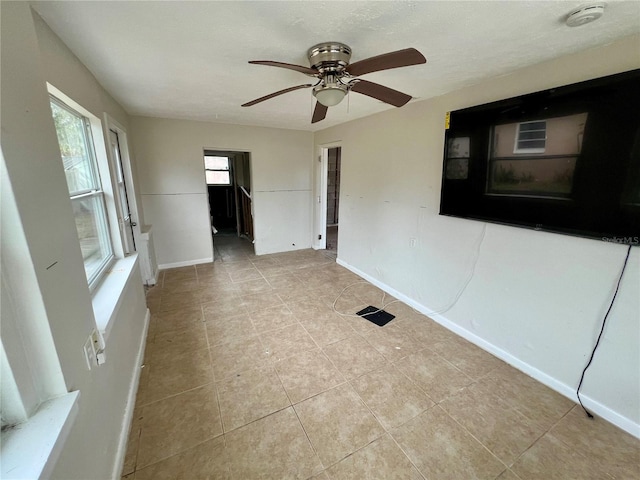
[611,416]
[131,403]
[568,391]
[188,263]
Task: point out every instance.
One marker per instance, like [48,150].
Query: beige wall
[171,171]
[536,299]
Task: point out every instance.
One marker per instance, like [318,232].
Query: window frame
[533,150]
[226,170]
[103,193]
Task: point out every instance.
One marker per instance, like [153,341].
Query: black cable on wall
[604,321]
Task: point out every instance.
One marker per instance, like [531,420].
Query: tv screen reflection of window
[536,158]
[564,160]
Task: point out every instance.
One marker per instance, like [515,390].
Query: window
[531,137]
[543,160]
[457,158]
[216,170]
[85,189]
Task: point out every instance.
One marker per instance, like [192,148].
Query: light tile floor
[250,373]
[332,241]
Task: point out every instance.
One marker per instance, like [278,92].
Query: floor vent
[376,315]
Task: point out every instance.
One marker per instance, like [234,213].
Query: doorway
[327,188]
[333,198]
[228,179]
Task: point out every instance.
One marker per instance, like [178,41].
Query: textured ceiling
[182,59]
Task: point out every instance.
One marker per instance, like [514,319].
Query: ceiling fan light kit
[330,95]
[329,63]
[331,91]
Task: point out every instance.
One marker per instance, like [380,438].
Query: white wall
[174,194]
[31,56]
[536,299]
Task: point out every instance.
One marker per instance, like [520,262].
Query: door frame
[111,123]
[322,170]
[227,152]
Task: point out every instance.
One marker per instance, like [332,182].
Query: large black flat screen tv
[563,160]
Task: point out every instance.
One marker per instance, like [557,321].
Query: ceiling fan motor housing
[329,57]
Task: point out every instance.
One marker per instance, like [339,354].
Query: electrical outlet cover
[89,353]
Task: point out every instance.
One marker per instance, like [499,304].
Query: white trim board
[188,263]
[594,406]
[108,295]
[131,403]
[31,449]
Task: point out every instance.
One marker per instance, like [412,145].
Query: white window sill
[107,297]
[30,450]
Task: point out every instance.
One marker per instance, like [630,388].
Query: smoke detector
[585,14]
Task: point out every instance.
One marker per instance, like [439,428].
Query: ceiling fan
[329,63]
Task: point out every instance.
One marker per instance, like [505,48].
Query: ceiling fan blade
[275,94]
[319,112]
[380,92]
[401,58]
[290,66]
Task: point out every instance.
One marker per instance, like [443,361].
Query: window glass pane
[457,169]
[118,163]
[525,143]
[90,217]
[532,136]
[458,147]
[216,163]
[535,176]
[74,149]
[533,126]
[217,178]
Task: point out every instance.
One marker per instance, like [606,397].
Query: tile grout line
[406,454]
[317,269]
[213,376]
[543,434]
[475,438]
[291,404]
[386,431]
